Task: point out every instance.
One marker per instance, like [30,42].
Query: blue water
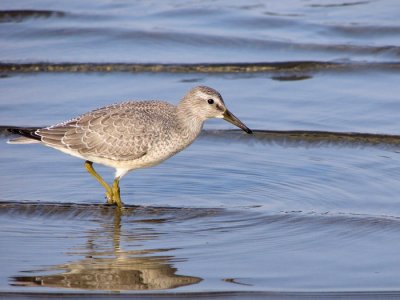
[228,213]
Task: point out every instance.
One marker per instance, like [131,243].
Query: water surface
[293,214]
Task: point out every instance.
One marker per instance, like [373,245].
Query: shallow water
[294,213]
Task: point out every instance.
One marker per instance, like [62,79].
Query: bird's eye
[210,101]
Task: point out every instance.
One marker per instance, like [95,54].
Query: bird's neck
[190,124]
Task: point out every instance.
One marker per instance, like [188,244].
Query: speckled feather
[124,131]
[135,134]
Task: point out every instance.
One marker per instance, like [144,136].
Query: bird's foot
[112,193]
[109,197]
[116,193]
[113,196]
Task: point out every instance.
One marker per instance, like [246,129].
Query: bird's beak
[228,116]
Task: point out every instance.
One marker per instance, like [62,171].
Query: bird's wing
[124,131]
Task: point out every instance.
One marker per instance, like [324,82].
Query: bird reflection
[113,269]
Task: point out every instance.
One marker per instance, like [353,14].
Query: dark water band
[291,138]
[272,67]
[308,138]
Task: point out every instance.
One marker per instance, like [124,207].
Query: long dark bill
[228,116]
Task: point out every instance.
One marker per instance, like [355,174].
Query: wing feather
[124,131]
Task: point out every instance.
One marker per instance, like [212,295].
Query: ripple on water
[283,211]
[199,33]
[100,248]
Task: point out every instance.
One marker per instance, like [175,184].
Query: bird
[132,134]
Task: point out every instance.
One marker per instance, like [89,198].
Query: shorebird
[133,134]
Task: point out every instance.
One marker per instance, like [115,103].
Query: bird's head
[205,103]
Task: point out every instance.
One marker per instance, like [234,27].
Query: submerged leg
[109,191]
[116,192]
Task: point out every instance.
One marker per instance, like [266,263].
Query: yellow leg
[116,192]
[109,191]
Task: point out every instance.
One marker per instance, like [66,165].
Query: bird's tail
[27,135]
